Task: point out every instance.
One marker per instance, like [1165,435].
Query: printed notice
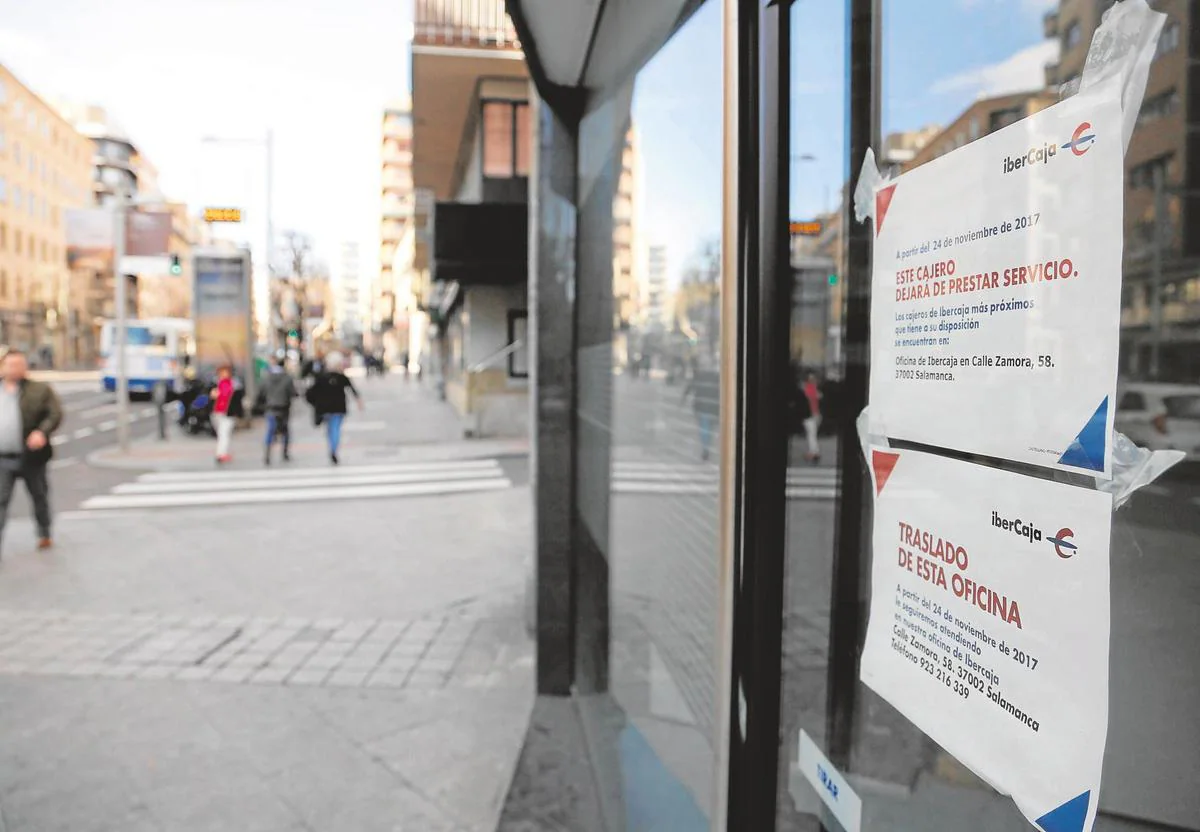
[989,625]
[996,292]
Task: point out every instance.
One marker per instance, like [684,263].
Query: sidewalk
[404,421]
[299,666]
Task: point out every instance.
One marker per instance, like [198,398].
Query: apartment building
[396,215]
[1160,315]
[45,169]
[987,115]
[472,154]
[627,244]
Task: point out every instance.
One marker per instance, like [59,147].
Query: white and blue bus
[157,350]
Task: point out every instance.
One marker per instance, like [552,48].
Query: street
[323,648]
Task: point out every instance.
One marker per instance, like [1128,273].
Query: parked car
[1160,416]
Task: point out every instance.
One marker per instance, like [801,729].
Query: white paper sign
[989,625]
[996,292]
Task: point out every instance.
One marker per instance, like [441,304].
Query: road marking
[83,433]
[57,464]
[318,479]
[146,412]
[353,426]
[480,465]
[293,495]
[55,441]
[111,424]
[628,477]
[96,411]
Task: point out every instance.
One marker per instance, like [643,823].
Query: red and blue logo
[1081,139]
[1063,547]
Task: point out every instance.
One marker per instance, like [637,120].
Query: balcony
[481,243]
[469,23]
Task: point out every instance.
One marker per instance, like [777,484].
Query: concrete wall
[490,401]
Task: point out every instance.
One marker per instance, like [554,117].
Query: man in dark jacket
[278,392]
[30,412]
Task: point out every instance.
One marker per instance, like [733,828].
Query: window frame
[515,106]
[515,315]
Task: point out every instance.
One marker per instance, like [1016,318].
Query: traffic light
[176,268]
[833,280]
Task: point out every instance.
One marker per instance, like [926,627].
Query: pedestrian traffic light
[176,267]
[833,280]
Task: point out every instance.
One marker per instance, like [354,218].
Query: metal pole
[1156,270]
[121,329]
[273,338]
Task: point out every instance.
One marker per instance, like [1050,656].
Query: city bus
[157,350]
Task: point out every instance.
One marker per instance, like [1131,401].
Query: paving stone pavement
[427,653]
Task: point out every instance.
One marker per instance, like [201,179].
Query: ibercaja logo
[1081,141]
[1063,542]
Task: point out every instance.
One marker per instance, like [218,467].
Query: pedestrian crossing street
[630,477]
[281,484]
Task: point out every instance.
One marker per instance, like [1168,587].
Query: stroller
[195,410]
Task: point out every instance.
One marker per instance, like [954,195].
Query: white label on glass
[831,786]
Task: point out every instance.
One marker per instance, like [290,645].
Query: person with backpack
[275,398]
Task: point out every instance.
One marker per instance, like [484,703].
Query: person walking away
[328,398]
[30,412]
[278,392]
[704,388]
[222,396]
[812,394]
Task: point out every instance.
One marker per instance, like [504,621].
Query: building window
[1142,176]
[17,152]
[1002,118]
[3,93]
[1072,36]
[3,236]
[17,242]
[1159,106]
[1168,41]
[974,128]
[3,284]
[18,197]
[33,163]
[3,190]
[3,139]
[518,331]
[506,134]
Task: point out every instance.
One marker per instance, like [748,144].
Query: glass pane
[660,357]
[497,139]
[819,165]
[954,72]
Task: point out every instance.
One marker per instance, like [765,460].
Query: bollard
[160,401]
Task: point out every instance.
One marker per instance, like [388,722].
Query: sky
[317,74]
[939,56]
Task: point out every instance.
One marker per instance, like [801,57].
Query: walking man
[30,412]
[812,424]
[278,392]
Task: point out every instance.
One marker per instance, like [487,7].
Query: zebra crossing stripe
[317,479]
[282,473]
[227,497]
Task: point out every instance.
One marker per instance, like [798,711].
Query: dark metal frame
[764,284]
[765,290]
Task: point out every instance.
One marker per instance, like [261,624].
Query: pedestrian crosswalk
[292,485]
[651,477]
